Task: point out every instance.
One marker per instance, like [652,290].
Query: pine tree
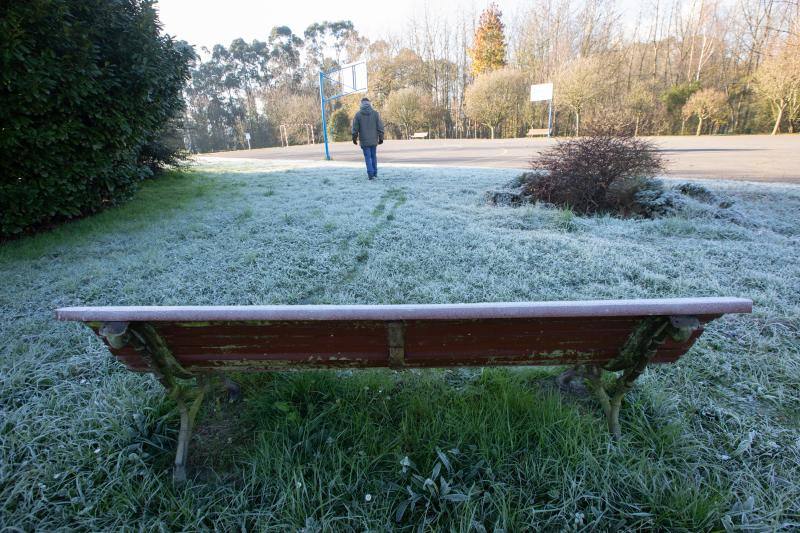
[488,52]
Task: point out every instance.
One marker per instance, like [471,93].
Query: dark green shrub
[698,192]
[601,173]
[85,85]
[626,195]
[340,125]
[166,149]
[701,194]
[651,203]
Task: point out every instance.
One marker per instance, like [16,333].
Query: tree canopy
[495,97]
[706,105]
[86,88]
[598,69]
[778,82]
[408,108]
[488,51]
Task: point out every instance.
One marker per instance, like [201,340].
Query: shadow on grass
[433,449]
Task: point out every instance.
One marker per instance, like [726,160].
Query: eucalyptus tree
[285,53]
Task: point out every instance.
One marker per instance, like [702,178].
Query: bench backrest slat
[283,337]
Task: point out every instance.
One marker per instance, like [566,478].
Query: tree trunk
[577,124]
[636,129]
[777,128]
[491,129]
[699,125]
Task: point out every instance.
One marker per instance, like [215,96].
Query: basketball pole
[550,118]
[324,123]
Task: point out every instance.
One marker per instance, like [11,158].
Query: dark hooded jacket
[367,124]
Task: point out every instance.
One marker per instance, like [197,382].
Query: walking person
[368,128]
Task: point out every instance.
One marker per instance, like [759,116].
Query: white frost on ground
[255,232]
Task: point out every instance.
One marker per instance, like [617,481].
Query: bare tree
[706,105]
[283,106]
[495,97]
[542,40]
[595,28]
[778,82]
[578,84]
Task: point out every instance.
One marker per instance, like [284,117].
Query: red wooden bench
[178,344]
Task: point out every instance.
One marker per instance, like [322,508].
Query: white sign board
[541,92]
[247,136]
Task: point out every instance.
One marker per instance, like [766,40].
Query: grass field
[712,442]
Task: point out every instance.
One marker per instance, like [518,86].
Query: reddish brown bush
[596,174]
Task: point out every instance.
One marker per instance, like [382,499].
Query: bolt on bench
[182,343]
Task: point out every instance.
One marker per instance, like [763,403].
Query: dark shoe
[370,177]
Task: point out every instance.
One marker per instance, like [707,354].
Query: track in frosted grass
[711,441]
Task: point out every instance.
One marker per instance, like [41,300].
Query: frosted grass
[711,442]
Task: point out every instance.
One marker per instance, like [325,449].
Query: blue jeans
[371,159]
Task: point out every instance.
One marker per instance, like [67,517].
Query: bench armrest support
[633,358]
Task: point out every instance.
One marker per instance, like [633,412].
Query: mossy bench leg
[610,400]
[632,360]
[189,398]
[188,417]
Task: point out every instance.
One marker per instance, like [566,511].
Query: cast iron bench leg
[188,418]
[632,360]
[146,340]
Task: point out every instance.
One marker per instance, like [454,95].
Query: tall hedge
[84,86]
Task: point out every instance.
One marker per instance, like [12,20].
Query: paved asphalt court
[738,157]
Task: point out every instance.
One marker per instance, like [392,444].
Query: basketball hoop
[348,79]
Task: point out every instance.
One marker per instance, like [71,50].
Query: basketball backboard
[348,79]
